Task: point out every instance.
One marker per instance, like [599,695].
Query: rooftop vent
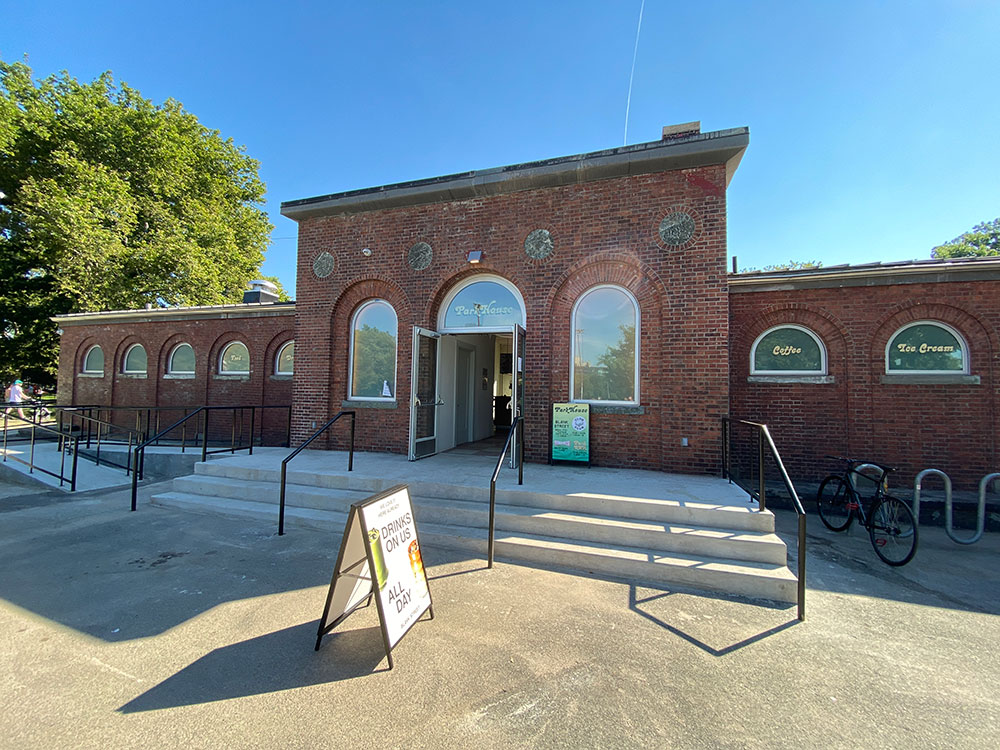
[261,291]
[681,131]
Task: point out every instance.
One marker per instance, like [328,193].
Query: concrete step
[684,513]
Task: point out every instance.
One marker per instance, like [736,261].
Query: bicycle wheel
[832,501]
[893,531]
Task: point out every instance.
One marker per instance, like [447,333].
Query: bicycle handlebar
[883,467]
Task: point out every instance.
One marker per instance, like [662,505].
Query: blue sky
[873,125]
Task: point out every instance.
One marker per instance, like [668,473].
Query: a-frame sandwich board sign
[379,558]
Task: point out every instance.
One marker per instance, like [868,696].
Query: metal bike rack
[947,493]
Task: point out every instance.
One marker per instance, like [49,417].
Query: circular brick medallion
[323,265]
[538,244]
[676,228]
[420,256]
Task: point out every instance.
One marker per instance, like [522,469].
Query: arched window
[482,303]
[235,359]
[788,350]
[181,360]
[927,347]
[284,363]
[93,361]
[605,330]
[373,351]
[135,360]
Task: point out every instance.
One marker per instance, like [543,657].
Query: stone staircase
[724,549]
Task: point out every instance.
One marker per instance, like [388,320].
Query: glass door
[517,385]
[424,396]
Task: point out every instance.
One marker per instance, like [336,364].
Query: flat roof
[235,310]
[682,152]
[921,271]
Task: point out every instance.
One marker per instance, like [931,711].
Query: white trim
[572,349]
[819,342]
[909,373]
[125,370]
[277,359]
[84,370]
[454,291]
[170,360]
[350,354]
[222,354]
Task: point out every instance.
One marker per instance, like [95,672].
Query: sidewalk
[162,628]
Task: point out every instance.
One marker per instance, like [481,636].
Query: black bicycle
[890,522]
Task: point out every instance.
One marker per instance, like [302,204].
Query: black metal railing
[516,428]
[65,442]
[297,451]
[203,435]
[96,432]
[757,470]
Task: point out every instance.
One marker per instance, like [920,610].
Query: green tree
[108,201]
[982,239]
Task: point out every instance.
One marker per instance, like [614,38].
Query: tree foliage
[112,202]
[792,265]
[983,239]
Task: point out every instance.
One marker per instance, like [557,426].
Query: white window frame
[171,370]
[222,355]
[450,297]
[572,349]
[125,369]
[86,356]
[779,373]
[350,356]
[277,357]
[958,336]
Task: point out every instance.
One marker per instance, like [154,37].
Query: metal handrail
[765,434]
[63,437]
[134,436]
[516,427]
[139,454]
[297,451]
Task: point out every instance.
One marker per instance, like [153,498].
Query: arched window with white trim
[93,361]
[605,336]
[482,303]
[788,350]
[373,352]
[927,347]
[134,362]
[284,362]
[181,360]
[235,359]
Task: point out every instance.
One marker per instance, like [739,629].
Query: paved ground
[162,628]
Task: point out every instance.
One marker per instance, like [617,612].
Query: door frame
[414,400]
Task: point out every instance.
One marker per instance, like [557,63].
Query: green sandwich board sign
[571,432]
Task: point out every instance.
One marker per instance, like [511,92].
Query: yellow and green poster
[571,432]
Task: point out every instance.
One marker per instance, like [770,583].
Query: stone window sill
[282,376]
[813,379]
[930,379]
[179,376]
[132,375]
[90,375]
[368,404]
[243,376]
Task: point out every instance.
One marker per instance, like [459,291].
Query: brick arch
[981,338]
[444,286]
[81,352]
[831,331]
[221,341]
[122,347]
[168,345]
[271,349]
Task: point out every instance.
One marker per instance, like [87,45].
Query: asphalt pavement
[166,628]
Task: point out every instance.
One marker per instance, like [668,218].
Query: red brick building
[437,308]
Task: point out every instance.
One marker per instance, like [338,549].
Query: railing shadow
[635,604]
[283,660]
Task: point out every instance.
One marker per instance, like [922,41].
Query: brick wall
[603,232]
[952,427]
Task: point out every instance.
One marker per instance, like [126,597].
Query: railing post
[288,430]
[761,504]
[204,437]
[135,474]
[253,426]
[520,455]
[489,543]
[281,502]
[232,434]
[31,455]
[350,458]
[802,567]
[76,452]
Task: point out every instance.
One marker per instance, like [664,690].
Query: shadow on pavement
[281,660]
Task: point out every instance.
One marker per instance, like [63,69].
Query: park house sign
[483,304]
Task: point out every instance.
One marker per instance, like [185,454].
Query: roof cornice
[697,150]
[241,310]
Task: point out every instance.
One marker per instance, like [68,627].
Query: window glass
[235,359]
[788,349]
[182,360]
[483,304]
[135,359]
[925,347]
[94,361]
[285,364]
[373,351]
[604,349]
